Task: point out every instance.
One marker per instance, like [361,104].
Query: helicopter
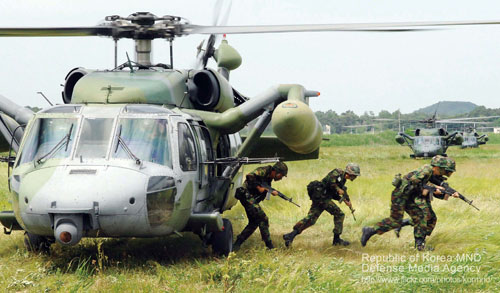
[429,141]
[146,149]
[472,139]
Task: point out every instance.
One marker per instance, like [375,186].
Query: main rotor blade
[55,31]
[362,27]
[468,118]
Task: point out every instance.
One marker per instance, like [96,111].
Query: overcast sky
[352,70]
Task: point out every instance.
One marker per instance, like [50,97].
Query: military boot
[367,233]
[339,241]
[406,222]
[269,245]
[237,244]
[289,237]
[420,243]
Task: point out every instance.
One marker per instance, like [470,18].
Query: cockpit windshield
[428,140]
[49,138]
[94,138]
[143,138]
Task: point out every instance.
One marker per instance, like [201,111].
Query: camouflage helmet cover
[353,169]
[439,161]
[450,165]
[281,167]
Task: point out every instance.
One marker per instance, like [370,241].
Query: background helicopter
[68,179]
[432,140]
[471,139]
[429,141]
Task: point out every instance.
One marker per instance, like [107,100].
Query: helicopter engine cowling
[295,124]
[208,90]
[457,139]
[400,139]
[70,81]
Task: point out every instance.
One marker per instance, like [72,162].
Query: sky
[353,70]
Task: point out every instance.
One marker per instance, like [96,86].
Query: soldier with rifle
[442,191]
[322,193]
[407,189]
[251,194]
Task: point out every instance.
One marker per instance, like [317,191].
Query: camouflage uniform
[429,219]
[250,197]
[321,194]
[403,199]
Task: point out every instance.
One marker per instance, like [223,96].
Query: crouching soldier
[251,194]
[403,197]
[321,193]
[423,201]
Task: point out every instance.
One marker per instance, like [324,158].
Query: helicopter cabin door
[206,154]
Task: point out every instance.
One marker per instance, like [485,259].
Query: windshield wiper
[125,147]
[64,141]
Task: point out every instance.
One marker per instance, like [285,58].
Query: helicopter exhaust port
[70,81]
[208,90]
[68,229]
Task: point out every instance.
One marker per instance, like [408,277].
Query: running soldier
[403,199]
[321,193]
[251,194]
[424,200]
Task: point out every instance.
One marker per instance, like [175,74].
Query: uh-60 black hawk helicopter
[145,149]
[429,141]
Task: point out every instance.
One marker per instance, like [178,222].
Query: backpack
[315,189]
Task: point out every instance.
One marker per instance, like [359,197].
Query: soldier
[403,199]
[321,194]
[424,200]
[251,194]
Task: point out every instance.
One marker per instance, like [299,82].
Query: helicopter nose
[68,228]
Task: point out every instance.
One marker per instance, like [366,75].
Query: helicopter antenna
[46,99]
[129,63]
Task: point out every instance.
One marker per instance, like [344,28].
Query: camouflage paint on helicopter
[472,139]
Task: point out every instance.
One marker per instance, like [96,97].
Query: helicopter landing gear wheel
[222,241]
[37,243]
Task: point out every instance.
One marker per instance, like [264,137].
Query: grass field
[180,264]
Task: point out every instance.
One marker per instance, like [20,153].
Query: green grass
[180,264]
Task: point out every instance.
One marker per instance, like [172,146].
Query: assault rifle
[344,198]
[448,190]
[270,189]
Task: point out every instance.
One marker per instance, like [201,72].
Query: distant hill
[447,108]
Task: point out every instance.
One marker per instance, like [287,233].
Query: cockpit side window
[187,151]
[49,138]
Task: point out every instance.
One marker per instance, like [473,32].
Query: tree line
[385,120]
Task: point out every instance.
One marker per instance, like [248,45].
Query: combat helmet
[353,169]
[450,165]
[439,161]
[281,167]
